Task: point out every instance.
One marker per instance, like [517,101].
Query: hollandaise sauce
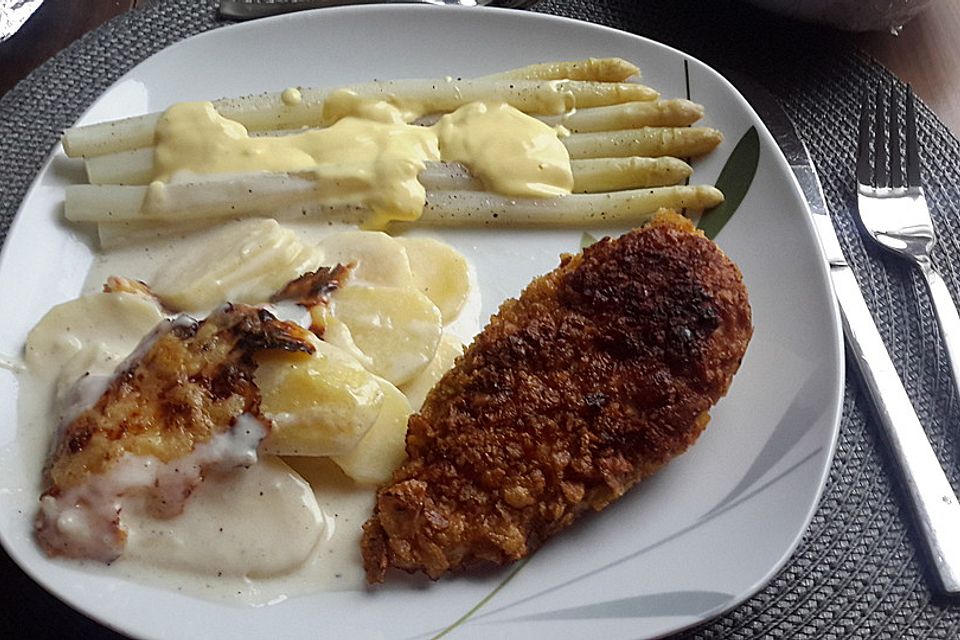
[370,156]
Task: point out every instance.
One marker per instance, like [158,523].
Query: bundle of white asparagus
[625,146]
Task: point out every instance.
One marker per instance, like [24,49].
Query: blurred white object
[852,15]
[13,13]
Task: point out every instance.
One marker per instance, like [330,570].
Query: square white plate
[695,540]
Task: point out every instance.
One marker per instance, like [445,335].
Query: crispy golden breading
[600,373]
[187,382]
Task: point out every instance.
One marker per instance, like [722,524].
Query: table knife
[932,498]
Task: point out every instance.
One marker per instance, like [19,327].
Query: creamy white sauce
[213,532]
[289,526]
[88,520]
[81,395]
[273,531]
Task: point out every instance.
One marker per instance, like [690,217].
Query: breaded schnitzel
[600,373]
[185,402]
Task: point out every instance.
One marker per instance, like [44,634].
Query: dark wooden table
[926,53]
[55,24]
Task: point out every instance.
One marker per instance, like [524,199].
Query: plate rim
[836,344]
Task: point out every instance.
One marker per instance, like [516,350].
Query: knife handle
[933,499]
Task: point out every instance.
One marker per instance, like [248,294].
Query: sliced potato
[320,404]
[447,353]
[377,259]
[396,330]
[103,323]
[245,261]
[383,449]
[440,272]
[338,333]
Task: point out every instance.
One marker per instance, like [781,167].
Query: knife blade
[932,498]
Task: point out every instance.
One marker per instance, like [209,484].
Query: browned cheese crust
[191,381]
[314,287]
[600,373]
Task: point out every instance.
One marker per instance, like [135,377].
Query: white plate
[693,541]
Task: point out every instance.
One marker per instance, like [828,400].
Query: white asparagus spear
[679,142]
[599,174]
[630,115]
[282,196]
[112,136]
[136,166]
[123,167]
[595,175]
[449,208]
[675,112]
[601,94]
[595,69]
[252,194]
[269,111]
[622,207]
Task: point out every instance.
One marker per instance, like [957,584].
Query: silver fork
[892,206]
[894,213]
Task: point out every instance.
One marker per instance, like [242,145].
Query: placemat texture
[857,572]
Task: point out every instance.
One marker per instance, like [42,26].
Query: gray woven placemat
[857,573]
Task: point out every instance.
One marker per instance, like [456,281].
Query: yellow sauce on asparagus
[510,152]
[369,156]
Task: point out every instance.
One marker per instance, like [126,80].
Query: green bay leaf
[734,181]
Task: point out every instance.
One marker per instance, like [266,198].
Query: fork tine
[864,171]
[896,170]
[913,147]
[879,140]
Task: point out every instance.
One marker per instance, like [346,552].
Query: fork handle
[947,317]
[933,499]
